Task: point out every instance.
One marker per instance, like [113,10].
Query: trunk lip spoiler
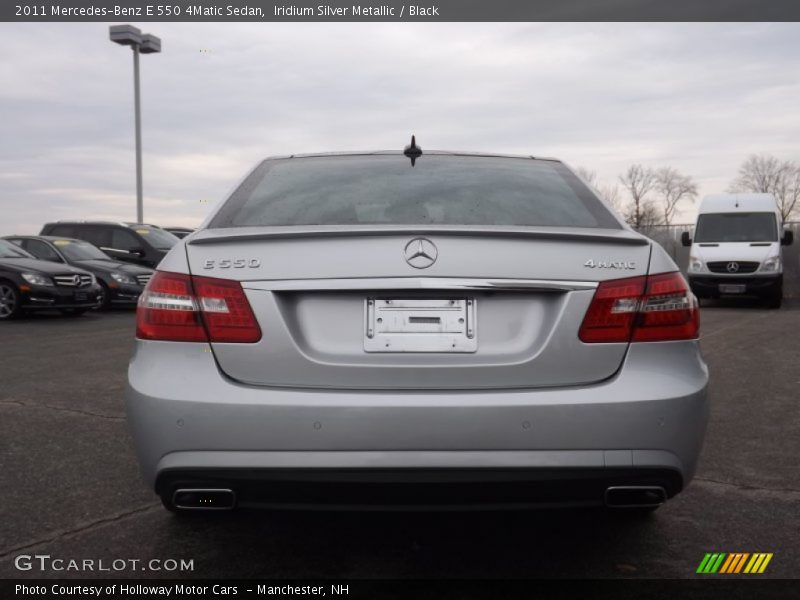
[223,236]
[418,283]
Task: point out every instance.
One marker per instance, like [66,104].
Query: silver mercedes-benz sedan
[397,329]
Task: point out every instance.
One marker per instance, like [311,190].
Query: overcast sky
[699,97]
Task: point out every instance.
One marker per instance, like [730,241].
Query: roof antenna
[413,151]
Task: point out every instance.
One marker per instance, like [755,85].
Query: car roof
[746,202]
[400,153]
[89,222]
[47,238]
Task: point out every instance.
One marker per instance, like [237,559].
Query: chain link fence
[669,236]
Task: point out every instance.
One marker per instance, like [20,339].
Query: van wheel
[10,301]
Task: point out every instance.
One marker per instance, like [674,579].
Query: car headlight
[772,264]
[120,277]
[36,279]
[695,265]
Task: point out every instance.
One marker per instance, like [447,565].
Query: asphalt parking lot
[71,486]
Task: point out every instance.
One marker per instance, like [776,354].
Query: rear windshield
[438,190]
[736,227]
[79,250]
[158,238]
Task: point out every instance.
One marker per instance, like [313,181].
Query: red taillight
[668,311]
[653,308]
[612,311]
[181,308]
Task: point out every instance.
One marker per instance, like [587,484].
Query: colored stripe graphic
[734,562]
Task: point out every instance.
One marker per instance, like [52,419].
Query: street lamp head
[125,35]
[150,44]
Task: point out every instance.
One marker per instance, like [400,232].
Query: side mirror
[788,238]
[685,239]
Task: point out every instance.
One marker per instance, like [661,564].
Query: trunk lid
[523,292]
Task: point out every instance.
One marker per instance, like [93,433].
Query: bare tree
[608,192]
[787,192]
[766,174]
[639,181]
[673,187]
[649,216]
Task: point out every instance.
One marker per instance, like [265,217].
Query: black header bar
[400,10]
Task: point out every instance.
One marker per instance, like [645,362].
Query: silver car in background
[395,329]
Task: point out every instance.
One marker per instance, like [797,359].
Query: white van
[737,247]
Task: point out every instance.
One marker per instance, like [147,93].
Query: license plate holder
[80,297]
[732,288]
[420,325]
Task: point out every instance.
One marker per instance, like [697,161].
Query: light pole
[140,43]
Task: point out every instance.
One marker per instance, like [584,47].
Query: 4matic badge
[610,264]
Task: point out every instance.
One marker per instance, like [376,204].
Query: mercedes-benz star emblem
[733,267]
[421,253]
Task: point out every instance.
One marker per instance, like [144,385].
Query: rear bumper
[704,286]
[441,488]
[191,426]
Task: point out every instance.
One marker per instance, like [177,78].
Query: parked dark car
[122,283]
[136,243]
[27,283]
[179,232]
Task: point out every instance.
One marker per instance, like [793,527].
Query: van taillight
[182,308]
[654,308]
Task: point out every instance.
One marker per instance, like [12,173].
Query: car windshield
[438,190]
[78,250]
[9,250]
[158,238]
[736,227]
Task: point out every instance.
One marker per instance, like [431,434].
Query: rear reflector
[655,308]
[181,308]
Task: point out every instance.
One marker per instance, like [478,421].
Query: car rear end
[467,331]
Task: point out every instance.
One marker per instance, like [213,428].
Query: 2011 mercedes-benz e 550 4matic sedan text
[395,329]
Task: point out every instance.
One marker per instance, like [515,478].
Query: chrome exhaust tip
[635,496]
[204,499]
